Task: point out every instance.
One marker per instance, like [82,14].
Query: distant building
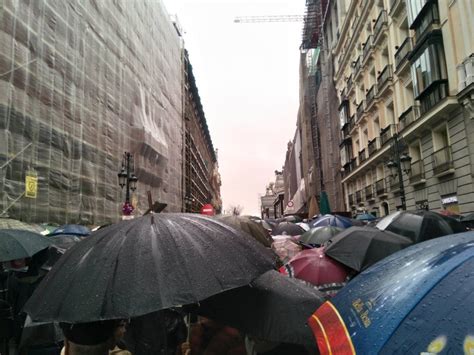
[272,203]
[201,178]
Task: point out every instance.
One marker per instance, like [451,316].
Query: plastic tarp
[82,81]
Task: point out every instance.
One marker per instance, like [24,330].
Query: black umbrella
[319,235]
[361,247]
[143,265]
[420,225]
[19,244]
[252,228]
[287,228]
[273,308]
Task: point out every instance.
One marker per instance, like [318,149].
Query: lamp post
[127,179]
[401,162]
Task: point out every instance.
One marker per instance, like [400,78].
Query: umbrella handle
[188,323]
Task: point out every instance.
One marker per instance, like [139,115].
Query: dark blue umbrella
[331,220]
[71,229]
[365,217]
[418,300]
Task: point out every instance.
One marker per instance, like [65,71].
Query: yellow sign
[31,186]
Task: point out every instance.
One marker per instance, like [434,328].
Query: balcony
[380,26]
[443,161]
[357,67]
[401,55]
[408,117]
[362,156]
[373,146]
[380,187]
[369,192]
[433,95]
[360,110]
[396,6]
[351,200]
[349,84]
[366,49]
[370,97]
[358,195]
[386,134]
[352,123]
[385,76]
[417,172]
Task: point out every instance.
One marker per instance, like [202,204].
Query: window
[429,67]
[414,8]
[440,138]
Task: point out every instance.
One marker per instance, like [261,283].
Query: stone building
[201,178]
[404,75]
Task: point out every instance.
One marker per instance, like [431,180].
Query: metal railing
[357,66]
[417,171]
[381,21]
[409,116]
[362,156]
[367,47]
[380,187]
[360,109]
[442,160]
[373,146]
[403,51]
[371,95]
[384,76]
[386,134]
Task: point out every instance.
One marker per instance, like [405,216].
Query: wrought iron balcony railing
[417,171]
[369,98]
[402,52]
[409,116]
[366,48]
[384,77]
[373,146]
[442,160]
[386,134]
[381,21]
[362,156]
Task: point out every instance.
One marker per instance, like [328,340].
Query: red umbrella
[313,266]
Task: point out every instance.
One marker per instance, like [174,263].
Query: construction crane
[275,18]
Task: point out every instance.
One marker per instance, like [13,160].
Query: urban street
[234,177]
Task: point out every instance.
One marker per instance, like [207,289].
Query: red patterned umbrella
[313,266]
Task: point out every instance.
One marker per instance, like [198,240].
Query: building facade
[272,203]
[201,178]
[404,76]
[80,84]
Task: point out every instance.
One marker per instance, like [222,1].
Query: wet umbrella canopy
[274,308]
[319,235]
[420,225]
[71,229]
[416,301]
[252,228]
[143,265]
[287,228]
[331,220]
[19,244]
[361,247]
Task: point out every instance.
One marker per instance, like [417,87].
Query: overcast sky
[247,76]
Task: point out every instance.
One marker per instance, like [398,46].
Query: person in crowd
[96,338]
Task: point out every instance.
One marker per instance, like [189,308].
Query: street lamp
[127,179]
[401,162]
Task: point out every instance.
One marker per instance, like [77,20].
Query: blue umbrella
[418,300]
[331,220]
[71,229]
[365,217]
